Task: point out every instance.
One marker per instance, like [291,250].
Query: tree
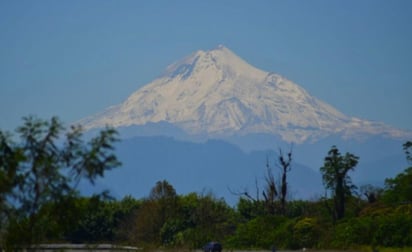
[45,167]
[285,164]
[207,219]
[165,197]
[399,189]
[124,216]
[371,192]
[273,193]
[94,222]
[407,147]
[336,179]
[159,208]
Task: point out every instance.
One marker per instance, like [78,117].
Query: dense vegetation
[40,203]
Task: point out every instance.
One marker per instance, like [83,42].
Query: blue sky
[75,58]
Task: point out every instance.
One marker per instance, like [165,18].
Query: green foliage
[155,212]
[206,218]
[259,232]
[354,231]
[88,220]
[302,208]
[283,235]
[168,220]
[379,226]
[124,213]
[96,222]
[399,189]
[44,168]
[39,202]
[306,232]
[336,179]
[249,209]
[394,230]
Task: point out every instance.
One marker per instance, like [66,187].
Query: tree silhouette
[335,178]
[285,164]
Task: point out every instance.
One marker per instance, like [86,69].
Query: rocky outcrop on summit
[216,93]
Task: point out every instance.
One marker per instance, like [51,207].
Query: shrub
[306,232]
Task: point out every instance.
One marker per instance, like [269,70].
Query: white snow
[216,92]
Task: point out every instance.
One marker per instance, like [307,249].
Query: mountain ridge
[169,129]
[218,94]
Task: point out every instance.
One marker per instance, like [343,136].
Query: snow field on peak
[217,93]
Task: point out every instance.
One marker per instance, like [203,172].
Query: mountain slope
[217,94]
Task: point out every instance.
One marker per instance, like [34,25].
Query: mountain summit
[216,93]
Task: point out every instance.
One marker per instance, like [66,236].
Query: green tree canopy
[336,179]
[46,166]
[399,189]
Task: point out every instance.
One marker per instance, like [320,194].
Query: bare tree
[272,192]
[285,165]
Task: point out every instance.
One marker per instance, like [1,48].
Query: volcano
[217,94]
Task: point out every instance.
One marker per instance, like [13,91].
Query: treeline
[40,203]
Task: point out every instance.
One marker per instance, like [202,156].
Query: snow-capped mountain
[216,93]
